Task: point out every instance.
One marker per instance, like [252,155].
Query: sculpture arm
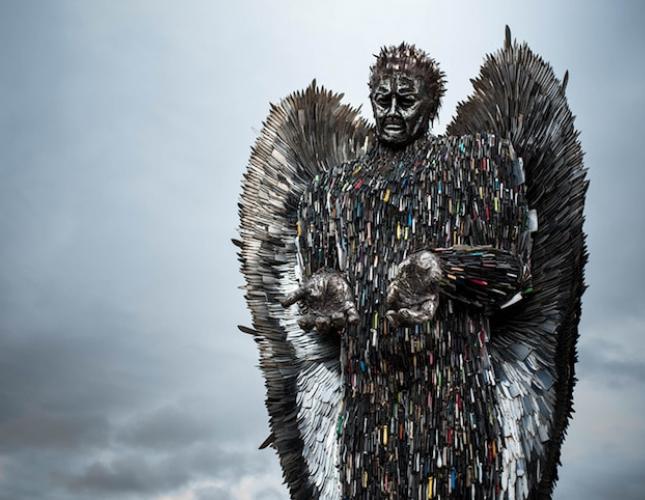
[325,293]
[483,276]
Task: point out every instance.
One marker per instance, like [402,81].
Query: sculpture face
[402,108]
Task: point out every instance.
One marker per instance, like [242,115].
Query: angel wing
[304,135]
[517,96]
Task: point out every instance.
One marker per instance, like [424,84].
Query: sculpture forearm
[482,276]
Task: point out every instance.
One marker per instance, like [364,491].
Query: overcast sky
[125,128]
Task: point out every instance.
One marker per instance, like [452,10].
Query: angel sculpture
[417,329]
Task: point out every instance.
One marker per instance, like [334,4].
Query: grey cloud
[213,493]
[127,475]
[56,370]
[225,493]
[603,478]
[46,430]
[168,428]
[145,474]
[270,494]
[74,399]
[611,363]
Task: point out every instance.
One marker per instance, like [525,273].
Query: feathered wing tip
[517,96]
[303,135]
[565,81]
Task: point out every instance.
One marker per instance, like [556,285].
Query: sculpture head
[406,87]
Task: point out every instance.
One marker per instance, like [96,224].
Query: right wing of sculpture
[517,96]
[304,135]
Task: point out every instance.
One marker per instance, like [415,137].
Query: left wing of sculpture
[304,135]
[517,96]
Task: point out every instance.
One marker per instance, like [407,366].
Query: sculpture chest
[418,417]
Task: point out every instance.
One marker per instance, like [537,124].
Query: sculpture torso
[419,417]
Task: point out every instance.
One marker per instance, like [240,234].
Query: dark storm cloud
[57,397]
[144,474]
[58,370]
[57,400]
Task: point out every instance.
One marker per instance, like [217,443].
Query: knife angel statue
[416,298]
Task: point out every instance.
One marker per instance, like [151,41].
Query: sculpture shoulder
[488,154]
[336,177]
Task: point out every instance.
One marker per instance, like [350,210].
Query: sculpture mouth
[395,133]
[394,129]
[394,125]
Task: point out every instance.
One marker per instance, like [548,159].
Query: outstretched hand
[328,301]
[413,296]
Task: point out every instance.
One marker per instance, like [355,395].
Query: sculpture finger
[409,316]
[294,297]
[406,263]
[405,315]
[393,294]
[307,322]
[429,265]
[339,285]
[429,308]
[337,320]
[352,315]
[392,318]
[323,324]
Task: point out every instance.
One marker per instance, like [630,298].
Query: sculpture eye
[406,102]
[383,101]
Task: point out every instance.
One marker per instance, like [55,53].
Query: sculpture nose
[392,109]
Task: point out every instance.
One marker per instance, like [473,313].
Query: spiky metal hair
[407,58]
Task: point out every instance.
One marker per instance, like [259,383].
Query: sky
[125,128]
